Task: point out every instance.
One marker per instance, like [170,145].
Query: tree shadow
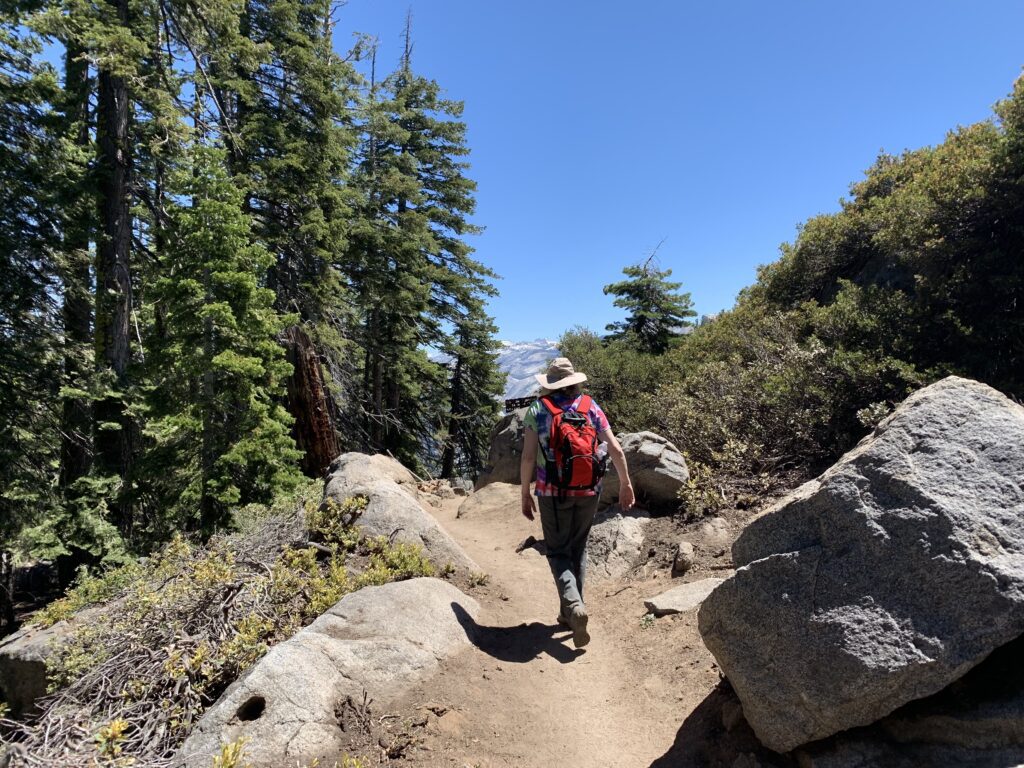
[519,644]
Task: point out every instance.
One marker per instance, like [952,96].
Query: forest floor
[644,692]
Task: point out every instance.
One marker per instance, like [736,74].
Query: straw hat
[560,374]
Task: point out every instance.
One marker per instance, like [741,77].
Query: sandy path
[523,696]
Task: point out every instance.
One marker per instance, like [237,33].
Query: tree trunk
[7,618]
[114,428]
[309,402]
[76,421]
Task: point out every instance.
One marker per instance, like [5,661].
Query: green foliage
[393,562]
[89,590]
[216,366]
[621,377]
[656,312]
[231,755]
[32,168]
[333,522]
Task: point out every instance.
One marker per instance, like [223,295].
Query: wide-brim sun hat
[560,374]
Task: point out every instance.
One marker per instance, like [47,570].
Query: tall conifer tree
[219,432]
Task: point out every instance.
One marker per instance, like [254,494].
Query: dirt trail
[523,696]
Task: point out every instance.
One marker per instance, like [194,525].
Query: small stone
[685,558]
[683,598]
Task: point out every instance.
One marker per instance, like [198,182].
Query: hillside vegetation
[226,254]
[919,275]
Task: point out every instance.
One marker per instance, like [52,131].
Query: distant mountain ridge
[520,360]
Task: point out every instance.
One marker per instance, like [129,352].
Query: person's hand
[626,498]
[529,506]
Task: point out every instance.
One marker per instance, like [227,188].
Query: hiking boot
[578,624]
[563,621]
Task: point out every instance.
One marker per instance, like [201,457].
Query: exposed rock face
[23,658]
[496,500]
[616,541]
[351,470]
[23,666]
[976,721]
[505,452]
[683,598]
[393,509]
[886,578]
[380,640]
[656,468]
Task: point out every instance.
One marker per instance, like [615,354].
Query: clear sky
[599,129]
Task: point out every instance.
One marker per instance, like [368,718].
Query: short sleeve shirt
[538,418]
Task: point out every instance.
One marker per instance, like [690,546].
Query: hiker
[568,500]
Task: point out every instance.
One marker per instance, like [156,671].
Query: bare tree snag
[309,403]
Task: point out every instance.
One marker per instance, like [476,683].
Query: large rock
[380,640]
[616,542]
[886,578]
[494,501]
[23,665]
[392,509]
[656,468]
[23,658]
[506,450]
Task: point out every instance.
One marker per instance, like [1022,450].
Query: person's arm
[626,498]
[527,464]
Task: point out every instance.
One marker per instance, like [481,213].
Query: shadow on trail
[702,739]
[519,644]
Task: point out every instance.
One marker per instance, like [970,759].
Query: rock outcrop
[493,501]
[393,508]
[23,658]
[23,665]
[884,580]
[506,450]
[379,640]
[656,468]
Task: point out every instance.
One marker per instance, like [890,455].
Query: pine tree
[413,271]
[294,148]
[30,171]
[221,438]
[656,312]
[474,385]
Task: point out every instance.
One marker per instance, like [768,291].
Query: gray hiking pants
[566,525]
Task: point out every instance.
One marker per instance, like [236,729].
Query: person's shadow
[519,644]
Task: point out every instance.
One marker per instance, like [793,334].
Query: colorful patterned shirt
[538,418]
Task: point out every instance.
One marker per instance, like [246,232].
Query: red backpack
[575,463]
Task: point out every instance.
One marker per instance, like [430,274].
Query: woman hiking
[568,473]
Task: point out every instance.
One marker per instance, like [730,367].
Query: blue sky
[599,129]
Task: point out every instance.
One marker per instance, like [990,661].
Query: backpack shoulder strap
[584,405]
[550,405]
